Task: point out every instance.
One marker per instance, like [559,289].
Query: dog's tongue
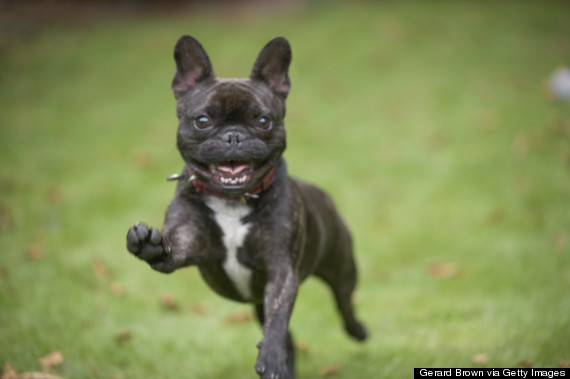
[232,168]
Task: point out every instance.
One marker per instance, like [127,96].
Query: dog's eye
[202,122]
[264,122]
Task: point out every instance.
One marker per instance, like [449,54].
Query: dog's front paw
[145,243]
[272,365]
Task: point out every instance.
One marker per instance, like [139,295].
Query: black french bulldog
[253,232]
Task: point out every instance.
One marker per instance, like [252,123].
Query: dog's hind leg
[341,278]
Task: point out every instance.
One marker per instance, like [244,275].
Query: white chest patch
[228,215]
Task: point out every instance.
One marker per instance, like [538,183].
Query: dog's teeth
[233,181]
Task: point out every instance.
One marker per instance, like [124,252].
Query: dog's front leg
[275,349]
[177,246]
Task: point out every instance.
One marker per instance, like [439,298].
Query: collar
[202,187]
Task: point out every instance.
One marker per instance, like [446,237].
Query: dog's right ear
[192,65]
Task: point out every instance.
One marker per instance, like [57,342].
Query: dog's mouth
[232,174]
[233,177]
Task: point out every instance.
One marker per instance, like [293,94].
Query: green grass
[424,120]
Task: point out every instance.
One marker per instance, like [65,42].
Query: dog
[254,232]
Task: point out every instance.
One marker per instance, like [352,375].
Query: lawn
[427,122]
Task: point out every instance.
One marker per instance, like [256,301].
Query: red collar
[202,187]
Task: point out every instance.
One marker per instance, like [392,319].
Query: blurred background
[441,129]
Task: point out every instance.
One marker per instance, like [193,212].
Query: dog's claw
[155,237]
[132,240]
[142,231]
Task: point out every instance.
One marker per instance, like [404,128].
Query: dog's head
[231,132]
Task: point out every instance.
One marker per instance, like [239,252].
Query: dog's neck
[202,187]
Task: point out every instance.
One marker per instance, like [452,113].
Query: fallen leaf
[485,120]
[200,309]
[3,273]
[496,216]
[444,270]
[35,251]
[302,348]
[100,269]
[380,275]
[564,363]
[560,243]
[480,359]
[51,361]
[437,140]
[123,336]
[521,184]
[142,160]
[328,371]
[355,299]
[168,301]
[117,289]
[101,302]
[239,318]
[5,217]
[9,372]
[524,363]
[55,195]
[38,375]
[520,144]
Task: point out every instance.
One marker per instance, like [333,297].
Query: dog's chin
[231,177]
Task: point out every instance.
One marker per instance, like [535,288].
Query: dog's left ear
[272,66]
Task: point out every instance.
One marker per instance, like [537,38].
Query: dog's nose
[233,138]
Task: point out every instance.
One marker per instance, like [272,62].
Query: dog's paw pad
[144,242]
